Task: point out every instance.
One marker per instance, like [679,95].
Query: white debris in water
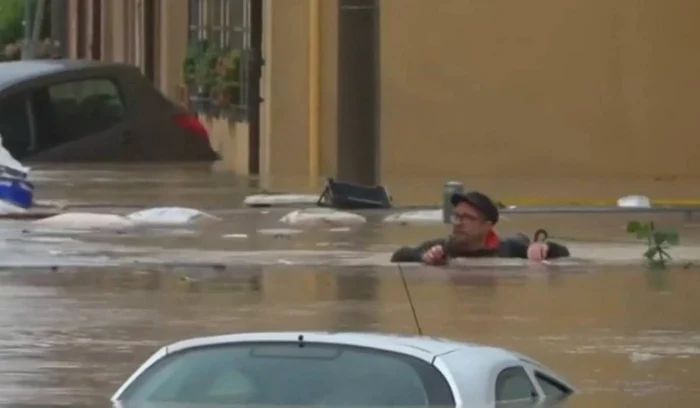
[158,216]
[321,216]
[85,221]
[634,201]
[280,199]
[236,236]
[431,217]
[169,216]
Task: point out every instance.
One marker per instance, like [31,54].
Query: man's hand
[537,251]
[435,256]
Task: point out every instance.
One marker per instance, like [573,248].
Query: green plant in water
[658,241]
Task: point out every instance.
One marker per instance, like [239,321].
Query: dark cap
[480,201]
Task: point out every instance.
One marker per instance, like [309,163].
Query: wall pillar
[173,33]
[266,92]
[72,28]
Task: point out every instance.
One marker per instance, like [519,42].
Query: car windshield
[286,374]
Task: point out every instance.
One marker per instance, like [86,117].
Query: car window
[81,108]
[287,374]
[14,125]
[513,384]
[551,388]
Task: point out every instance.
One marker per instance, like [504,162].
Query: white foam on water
[280,199]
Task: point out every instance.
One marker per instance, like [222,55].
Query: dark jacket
[512,247]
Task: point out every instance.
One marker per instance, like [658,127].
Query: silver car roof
[426,348]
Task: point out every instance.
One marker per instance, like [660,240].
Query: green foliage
[199,65]
[658,241]
[216,71]
[11,18]
[12,35]
[227,82]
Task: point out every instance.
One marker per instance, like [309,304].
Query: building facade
[579,88]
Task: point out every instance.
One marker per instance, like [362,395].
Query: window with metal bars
[219,22]
[222,26]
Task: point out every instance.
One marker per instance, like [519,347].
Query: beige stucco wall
[288,110]
[576,88]
[592,87]
[230,140]
[173,44]
[287,116]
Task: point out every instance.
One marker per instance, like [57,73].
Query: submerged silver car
[338,369]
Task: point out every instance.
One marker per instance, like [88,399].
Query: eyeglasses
[461,217]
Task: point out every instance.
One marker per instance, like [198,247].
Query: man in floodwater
[473,235]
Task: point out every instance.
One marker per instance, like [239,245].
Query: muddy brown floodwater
[625,336]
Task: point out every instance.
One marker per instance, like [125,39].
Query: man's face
[468,223]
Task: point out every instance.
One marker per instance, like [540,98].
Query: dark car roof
[14,71]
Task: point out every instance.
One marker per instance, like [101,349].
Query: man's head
[473,217]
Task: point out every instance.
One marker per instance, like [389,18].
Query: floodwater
[80,312]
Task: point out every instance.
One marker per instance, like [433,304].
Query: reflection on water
[626,337]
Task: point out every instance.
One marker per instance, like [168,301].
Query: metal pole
[450,188]
[27,29]
[358,91]
[58,26]
[36,27]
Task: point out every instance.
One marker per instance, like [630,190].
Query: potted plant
[199,73]
[226,88]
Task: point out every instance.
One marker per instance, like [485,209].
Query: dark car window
[14,125]
[72,110]
[284,374]
[551,388]
[513,384]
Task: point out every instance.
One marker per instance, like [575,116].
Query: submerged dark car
[93,111]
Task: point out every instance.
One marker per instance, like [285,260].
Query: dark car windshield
[285,374]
